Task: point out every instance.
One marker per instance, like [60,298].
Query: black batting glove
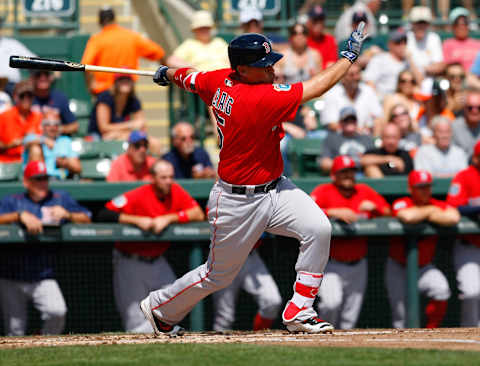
[160,76]
[354,44]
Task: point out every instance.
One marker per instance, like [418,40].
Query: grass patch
[232,355]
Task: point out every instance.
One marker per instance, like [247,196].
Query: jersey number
[221,122]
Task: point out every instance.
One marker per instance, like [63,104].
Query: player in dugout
[251,196]
[139,268]
[345,277]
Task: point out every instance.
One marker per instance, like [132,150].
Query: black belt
[264,188]
[138,257]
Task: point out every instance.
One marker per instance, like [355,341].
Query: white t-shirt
[10,47]
[430,158]
[383,70]
[366,104]
[424,53]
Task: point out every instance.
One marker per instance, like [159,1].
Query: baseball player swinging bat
[38,63]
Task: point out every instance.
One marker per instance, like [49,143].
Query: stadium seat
[82,110]
[111,149]
[304,153]
[96,169]
[85,149]
[10,172]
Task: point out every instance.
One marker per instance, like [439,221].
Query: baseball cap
[347,112]
[476,149]
[359,16]
[250,13]
[418,178]
[202,18]
[458,12]
[420,14]
[317,12]
[35,169]
[137,135]
[342,162]
[106,14]
[398,35]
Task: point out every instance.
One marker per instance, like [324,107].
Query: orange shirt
[115,46]
[12,127]
[122,170]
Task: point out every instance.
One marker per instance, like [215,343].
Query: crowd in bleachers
[407,105]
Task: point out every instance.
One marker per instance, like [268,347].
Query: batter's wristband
[180,76]
[183,217]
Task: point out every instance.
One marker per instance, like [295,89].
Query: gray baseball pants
[237,221]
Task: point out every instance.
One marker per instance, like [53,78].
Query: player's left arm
[444,216]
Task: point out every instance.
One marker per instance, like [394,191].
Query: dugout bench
[199,234]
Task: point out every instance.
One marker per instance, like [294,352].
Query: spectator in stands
[11,47]
[389,159]
[461,48]
[345,277]
[29,275]
[466,128]
[135,164]
[405,94]
[17,122]
[318,39]
[140,267]
[383,69]
[118,112]
[251,20]
[425,47]
[473,76]
[352,92]
[410,139]
[203,52]
[343,27]
[464,193]
[299,62]
[442,159]
[419,207]
[188,160]
[103,49]
[48,100]
[52,148]
[345,142]
[455,93]
[443,6]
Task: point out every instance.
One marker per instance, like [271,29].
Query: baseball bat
[38,63]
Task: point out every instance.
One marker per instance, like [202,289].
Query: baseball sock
[260,323]
[435,311]
[306,289]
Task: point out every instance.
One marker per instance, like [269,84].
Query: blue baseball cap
[136,136]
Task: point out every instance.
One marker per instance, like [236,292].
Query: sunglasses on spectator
[456,76]
[139,144]
[470,108]
[404,113]
[185,138]
[25,95]
[42,178]
[405,81]
[349,120]
[50,123]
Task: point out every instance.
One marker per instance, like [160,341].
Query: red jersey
[249,118]
[327,47]
[328,196]
[465,190]
[426,245]
[142,201]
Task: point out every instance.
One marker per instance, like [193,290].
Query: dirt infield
[443,338]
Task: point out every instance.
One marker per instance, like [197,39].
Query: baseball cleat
[158,326]
[311,325]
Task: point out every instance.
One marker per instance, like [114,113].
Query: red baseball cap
[35,169]
[476,149]
[419,178]
[342,162]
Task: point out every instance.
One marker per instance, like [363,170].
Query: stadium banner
[41,8]
[268,7]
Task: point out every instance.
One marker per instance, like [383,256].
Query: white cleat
[312,325]
[159,327]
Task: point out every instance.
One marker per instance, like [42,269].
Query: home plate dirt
[443,338]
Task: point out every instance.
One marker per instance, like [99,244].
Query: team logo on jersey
[399,205]
[282,87]
[267,47]
[119,201]
[228,83]
[454,189]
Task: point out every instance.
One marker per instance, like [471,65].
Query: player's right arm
[323,81]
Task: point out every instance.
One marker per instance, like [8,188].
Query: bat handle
[118,70]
